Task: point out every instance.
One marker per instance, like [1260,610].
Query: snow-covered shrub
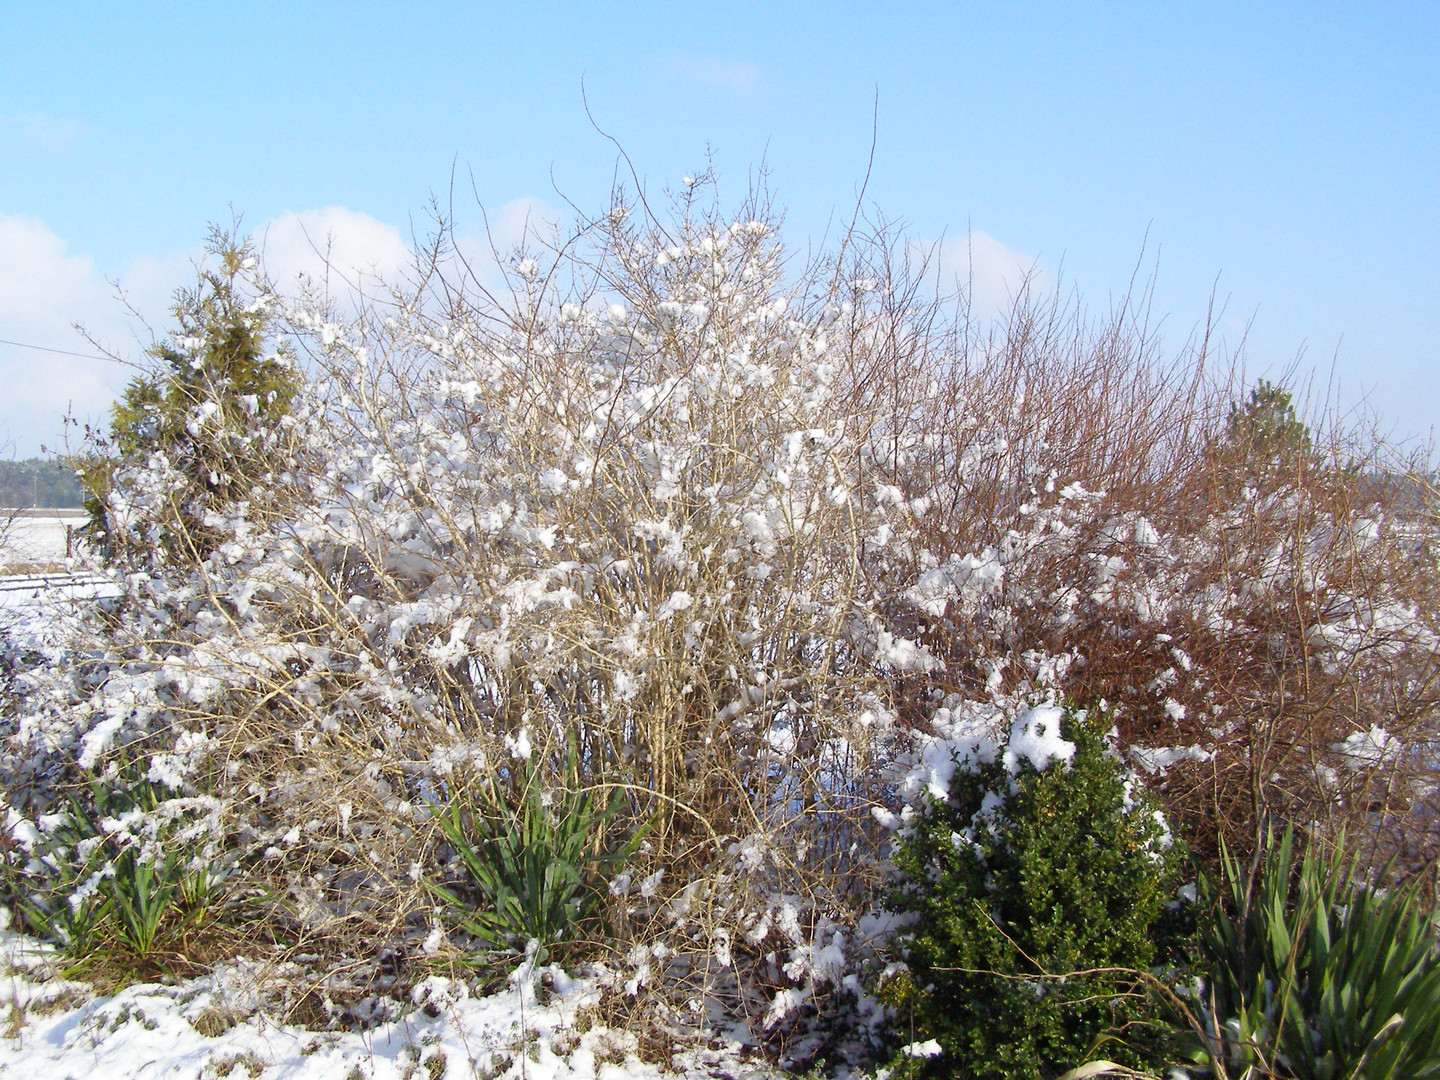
[1239,590]
[1034,867]
[740,532]
[634,510]
[199,428]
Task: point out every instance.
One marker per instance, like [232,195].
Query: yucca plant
[1314,973]
[152,895]
[531,852]
[47,891]
[92,890]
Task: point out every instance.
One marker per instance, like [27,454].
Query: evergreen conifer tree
[199,428]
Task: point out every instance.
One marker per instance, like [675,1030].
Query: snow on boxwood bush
[1028,865]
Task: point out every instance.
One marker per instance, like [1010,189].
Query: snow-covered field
[53,1028]
[35,609]
[40,584]
[36,538]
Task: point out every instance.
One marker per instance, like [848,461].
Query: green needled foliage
[205,415]
[1313,973]
[531,853]
[1266,424]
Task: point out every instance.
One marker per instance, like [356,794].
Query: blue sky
[1286,155]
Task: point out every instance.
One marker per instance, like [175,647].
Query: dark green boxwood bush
[1022,879]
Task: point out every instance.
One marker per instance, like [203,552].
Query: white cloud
[340,250]
[523,221]
[148,285]
[740,77]
[994,275]
[527,223]
[44,291]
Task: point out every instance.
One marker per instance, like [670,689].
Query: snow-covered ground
[37,538]
[53,1028]
[35,609]
[41,583]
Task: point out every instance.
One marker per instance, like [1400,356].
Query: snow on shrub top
[1035,737]
[969,735]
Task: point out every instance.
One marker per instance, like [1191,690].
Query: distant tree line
[39,482]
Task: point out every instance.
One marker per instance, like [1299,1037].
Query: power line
[62,352]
